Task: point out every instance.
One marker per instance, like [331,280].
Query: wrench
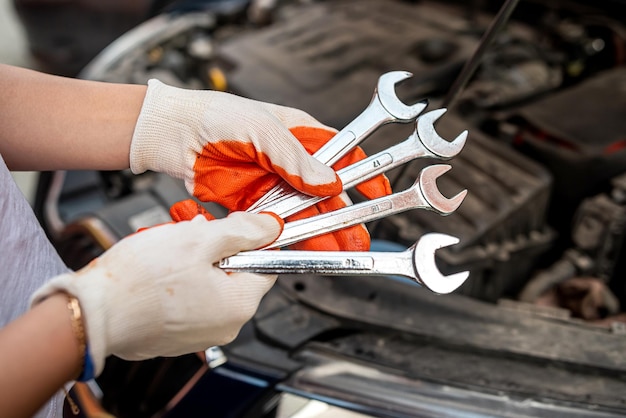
[423,142]
[417,263]
[385,107]
[424,194]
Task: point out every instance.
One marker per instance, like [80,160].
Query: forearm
[39,352]
[49,122]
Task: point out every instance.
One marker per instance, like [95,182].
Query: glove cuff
[165,135]
[105,314]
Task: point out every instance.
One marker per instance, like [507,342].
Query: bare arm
[39,352]
[49,122]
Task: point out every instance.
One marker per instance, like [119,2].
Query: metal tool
[424,194]
[385,107]
[417,263]
[423,142]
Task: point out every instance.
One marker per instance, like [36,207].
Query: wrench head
[428,186]
[426,268]
[386,94]
[443,149]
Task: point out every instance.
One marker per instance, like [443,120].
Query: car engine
[541,318]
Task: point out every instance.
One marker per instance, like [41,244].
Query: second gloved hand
[158,292]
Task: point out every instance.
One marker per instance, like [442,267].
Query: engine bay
[541,317]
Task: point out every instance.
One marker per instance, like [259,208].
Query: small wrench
[417,263]
[385,107]
[423,142]
[424,194]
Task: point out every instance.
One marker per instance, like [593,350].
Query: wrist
[164,139]
[78,302]
[113,320]
[61,332]
[78,329]
[86,370]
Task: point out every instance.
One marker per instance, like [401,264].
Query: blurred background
[13,45]
[539,328]
[14,50]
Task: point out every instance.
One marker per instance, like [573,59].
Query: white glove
[158,293]
[223,145]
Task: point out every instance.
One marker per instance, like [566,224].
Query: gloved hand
[225,147]
[158,293]
[231,150]
[354,238]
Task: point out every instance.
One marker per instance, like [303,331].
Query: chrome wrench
[385,107]
[424,194]
[417,263]
[423,142]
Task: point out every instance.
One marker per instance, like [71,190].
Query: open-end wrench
[424,194]
[417,263]
[423,142]
[385,107]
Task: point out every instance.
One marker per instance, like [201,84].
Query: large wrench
[385,107]
[424,194]
[417,263]
[423,142]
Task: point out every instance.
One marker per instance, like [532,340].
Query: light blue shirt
[27,260]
